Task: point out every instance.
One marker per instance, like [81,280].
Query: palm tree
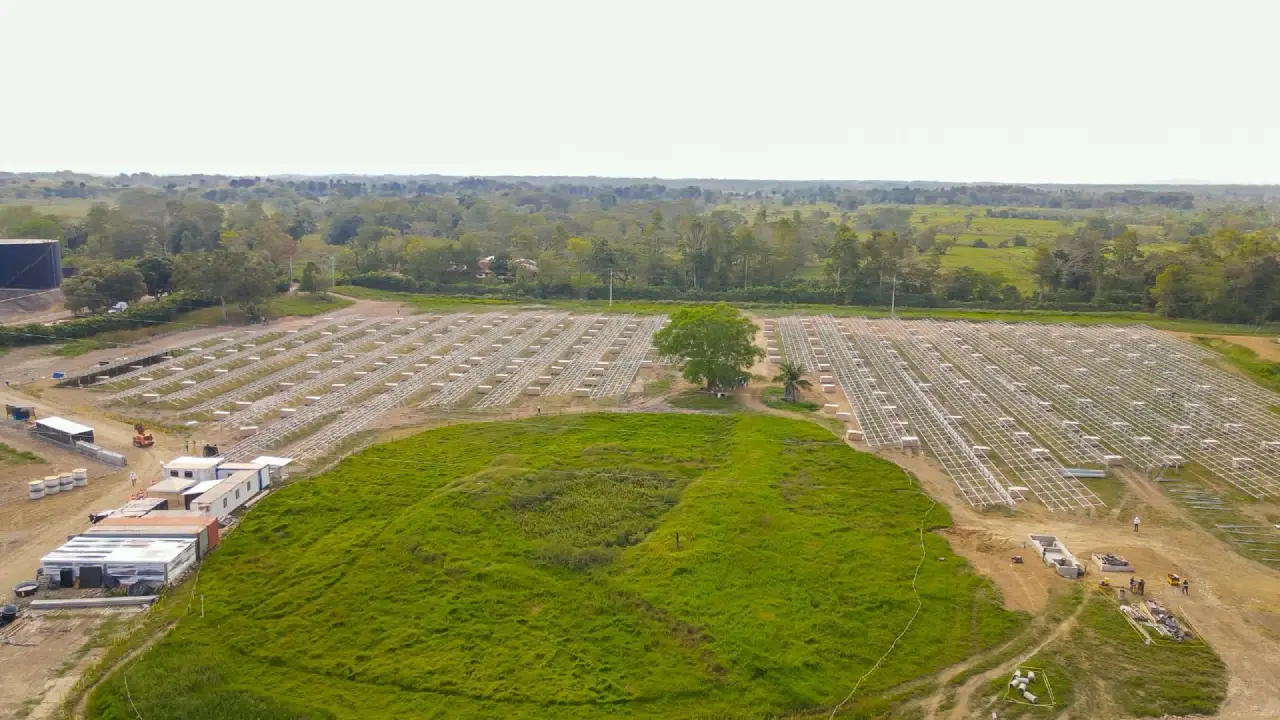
[791,375]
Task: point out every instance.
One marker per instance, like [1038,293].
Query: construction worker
[133,478]
[1136,521]
[1186,587]
[1142,587]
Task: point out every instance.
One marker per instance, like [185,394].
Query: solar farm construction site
[1022,411]
[302,392]
[1000,516]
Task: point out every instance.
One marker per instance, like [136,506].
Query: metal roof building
[64,431]
[128,559]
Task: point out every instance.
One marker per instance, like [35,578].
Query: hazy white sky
[963,90]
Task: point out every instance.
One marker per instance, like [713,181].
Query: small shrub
[394,282]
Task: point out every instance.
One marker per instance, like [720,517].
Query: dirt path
[82,702]
[964,694]
[1234,602]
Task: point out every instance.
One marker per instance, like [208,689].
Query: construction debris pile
[1110,562]
[1020,683]
[1153,615]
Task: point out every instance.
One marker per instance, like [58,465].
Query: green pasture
[583,566]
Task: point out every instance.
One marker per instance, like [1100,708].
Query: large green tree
[229,275]
[157,271]
[715,343]
[98,287]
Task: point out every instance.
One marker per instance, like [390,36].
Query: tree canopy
[230,276]
[716,344]
[101,286]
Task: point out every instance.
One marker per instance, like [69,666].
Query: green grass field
[1264,372]
[772,396]
[1013,262]
[446,303]
[1104,666]
[13,456]
[532,569]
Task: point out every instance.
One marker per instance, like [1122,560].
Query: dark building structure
[30,264]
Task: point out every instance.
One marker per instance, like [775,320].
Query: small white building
[229,493]
[198,469]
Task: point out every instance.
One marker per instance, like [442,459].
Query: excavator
[142,438]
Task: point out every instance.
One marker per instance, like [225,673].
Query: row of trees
[571,237]
[228,275]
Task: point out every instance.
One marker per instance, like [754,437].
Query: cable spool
[52,485]
[35,490]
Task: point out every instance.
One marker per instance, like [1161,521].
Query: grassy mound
[698,399]
[532,569]
[773,397]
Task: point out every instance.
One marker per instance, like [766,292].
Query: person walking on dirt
[1131,585]
[1142,587]
[1186,587]
[133,478]
[1136,521]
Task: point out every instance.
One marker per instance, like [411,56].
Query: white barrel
[35,489]
[51,485]
[78,481]
[80,474]
[66,482]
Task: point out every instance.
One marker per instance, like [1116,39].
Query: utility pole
[893,296]
[610,287]
[333,265]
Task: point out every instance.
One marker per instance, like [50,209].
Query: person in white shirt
[1136,521]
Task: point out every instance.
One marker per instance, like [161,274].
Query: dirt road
[1234,602]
